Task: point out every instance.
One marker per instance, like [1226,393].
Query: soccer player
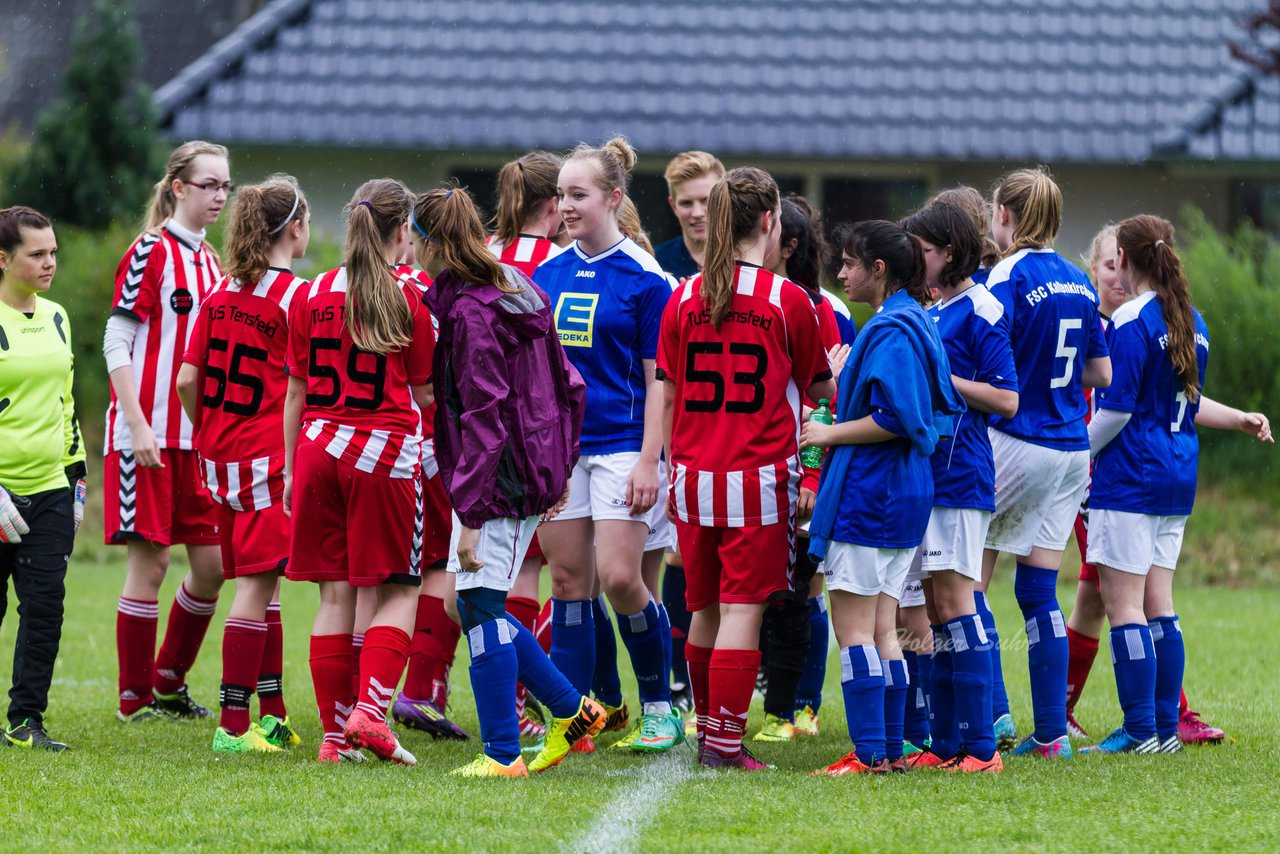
[510,414]
[740,346]
[608,295]
[359,363]
[1144,438]
[42,490]
[896,402]
[232,385]
[154,494]
[690,176]
[1041,453]
[975,334]
[971,201]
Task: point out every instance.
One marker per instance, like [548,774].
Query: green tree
[93,149]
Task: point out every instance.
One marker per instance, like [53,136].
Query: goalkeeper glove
[81,495]
[12,525]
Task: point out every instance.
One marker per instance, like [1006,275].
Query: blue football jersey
[1054,329]
[975,334]
[1150,467]
[608,308]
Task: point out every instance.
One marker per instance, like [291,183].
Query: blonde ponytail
[1035,202]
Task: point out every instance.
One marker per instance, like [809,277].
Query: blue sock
[540,676]
[999,697]
[915,726]
[573,641]
[664,626]
[1047,653]
[606,685]
[924,663]
[1134,659]
[862,681]
[897,685]
[1171,661]
[809,691]
[642,636]
[942,721]
[971,682]
[494,669]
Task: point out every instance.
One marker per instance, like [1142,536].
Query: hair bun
[621,148]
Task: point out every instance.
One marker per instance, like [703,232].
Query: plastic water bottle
[811,457]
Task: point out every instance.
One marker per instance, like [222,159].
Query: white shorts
[1038,492]
[954,540]
[598,488]
[661,531]
[502,547]
[865,570]
[912,593]
[1134,542]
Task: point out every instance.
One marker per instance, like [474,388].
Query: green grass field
[159,786]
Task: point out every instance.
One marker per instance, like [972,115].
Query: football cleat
[742,759]
[1192,730]
[776,729]
[249,741]
[910,748]
[682,697]
[484,766]
[691,724]
[529,728]
[364,730]
[899,765]
[31,736]
[1172,744]
[427,717]
[1073,726]
[146,714]
[1006,732]
[1059,748]
[1121,742]
[925,759]
[806,721]
[627,741]
[584,745]
[966,764]
[180,705]
[617,717]
[564,733]
[659,732]
[333,752]
[851,764]
[278,731]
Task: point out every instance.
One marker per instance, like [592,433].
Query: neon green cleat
[566,732]
[252,741]
[807,721]
[691,724]
[484,766]
[776,729]
[627,740]
[659,732]
[278,731]
[618,717]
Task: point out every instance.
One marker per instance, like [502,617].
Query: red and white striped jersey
[358,405]
[239,343]
[422,280]
[744,379]
[160,283]
[526,253]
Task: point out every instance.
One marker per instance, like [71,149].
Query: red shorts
[748,565]
[253,541]
[535,550]
[1088,572]
[437,524]
[352,526]
[167,506]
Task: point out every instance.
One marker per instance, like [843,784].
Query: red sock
[331,665]
[446,650]
[270,674]
[699,660]
[543,631]
[1182,703]
[357,645]
[135,651]
[732,675]
[1081,651]
[242,645]
[525,611]
[188,621]
[386,649]
[433,631]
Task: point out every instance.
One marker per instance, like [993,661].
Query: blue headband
[414,222]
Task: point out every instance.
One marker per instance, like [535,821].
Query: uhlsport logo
[576,318]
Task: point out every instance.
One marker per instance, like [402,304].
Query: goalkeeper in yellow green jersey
[42,465]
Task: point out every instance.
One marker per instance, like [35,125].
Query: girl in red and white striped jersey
[359,364]
[232,384]
[528,214]
[154,494]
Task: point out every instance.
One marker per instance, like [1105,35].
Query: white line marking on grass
[620,822]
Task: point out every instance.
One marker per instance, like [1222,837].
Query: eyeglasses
[227,187]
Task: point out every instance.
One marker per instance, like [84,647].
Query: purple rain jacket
[509,405]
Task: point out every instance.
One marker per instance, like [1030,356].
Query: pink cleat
[1192,730]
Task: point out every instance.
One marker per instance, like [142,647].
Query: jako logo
[585,274]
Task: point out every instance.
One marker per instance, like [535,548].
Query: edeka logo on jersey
[576,318]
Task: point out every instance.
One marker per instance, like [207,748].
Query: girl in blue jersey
[895,402]
[608,296]
[974,331]
[1144,481]
[1041,453]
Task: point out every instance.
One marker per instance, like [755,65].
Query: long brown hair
[972,202]
[259,216]
[163,201]
[733,212]
[1147,242]
[378,316]
[523,185]
[1036,204]
[880,240]
[448,218]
